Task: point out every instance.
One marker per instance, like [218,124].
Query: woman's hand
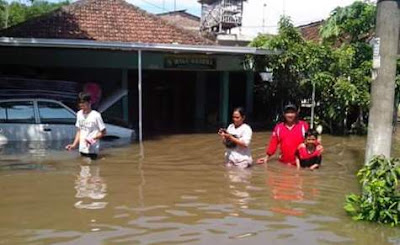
[320,148]
[227,136]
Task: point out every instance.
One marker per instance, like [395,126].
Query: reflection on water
[89,185]
[288,186]
[239,183]
[179,192]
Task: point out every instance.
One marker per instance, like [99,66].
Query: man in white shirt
[90,129]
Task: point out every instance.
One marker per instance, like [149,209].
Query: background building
[188,82]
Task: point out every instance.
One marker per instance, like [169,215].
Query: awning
[90,44]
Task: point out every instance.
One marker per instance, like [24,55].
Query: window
[17,112]
[54,113]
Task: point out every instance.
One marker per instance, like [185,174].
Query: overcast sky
[301,11]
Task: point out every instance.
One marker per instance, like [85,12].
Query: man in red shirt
[288,134]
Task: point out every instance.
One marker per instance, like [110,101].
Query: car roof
[38,99]
[30,99]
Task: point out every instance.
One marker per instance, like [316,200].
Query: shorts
[310,162]
[92,156]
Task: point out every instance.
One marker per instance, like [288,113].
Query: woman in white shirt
[237,138]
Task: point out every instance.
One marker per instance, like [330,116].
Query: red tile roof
[182,19]
[104,20]
[310,32]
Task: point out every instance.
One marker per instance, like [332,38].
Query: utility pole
[7,13]
[263,20]
[380,125]
[284,7]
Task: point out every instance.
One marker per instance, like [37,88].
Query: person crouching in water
[237,138]
[308,154]
[90,129]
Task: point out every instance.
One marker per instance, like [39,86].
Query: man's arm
[102,128]
[76,140]
[100,134]
[270,149]
[273,144]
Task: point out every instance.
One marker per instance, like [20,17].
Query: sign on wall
[189,62]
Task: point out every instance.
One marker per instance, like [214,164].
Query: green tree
[3,14]
[287,74]
[341,76]
[350,28]
[16,12]
[350,24]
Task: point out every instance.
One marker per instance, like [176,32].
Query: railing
[226,12]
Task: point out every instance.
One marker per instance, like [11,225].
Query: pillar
[249,92]
[125,105]
[201,86]
[224,99]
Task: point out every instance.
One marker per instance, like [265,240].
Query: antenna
[263,21]
[284,7]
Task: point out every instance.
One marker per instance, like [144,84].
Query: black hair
[84,97]
[241,111]
[290,107]
[311,132]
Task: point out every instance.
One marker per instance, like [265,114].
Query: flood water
[180,193]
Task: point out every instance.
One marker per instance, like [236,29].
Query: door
[56,122]
[17,121]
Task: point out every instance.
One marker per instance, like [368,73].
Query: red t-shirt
[304,154]
[288,140]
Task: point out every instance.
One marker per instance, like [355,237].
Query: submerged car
[45,120]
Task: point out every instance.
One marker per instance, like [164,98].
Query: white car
[45,120]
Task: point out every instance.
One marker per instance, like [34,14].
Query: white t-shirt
[238,155]
[89,124]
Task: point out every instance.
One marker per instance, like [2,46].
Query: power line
[154,5]
[258,26]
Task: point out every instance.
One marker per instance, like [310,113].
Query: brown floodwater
[180,193]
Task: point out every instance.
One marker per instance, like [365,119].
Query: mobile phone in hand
[222,130]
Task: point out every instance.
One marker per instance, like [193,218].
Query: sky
[256,12]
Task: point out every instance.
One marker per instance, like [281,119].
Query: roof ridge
[173,11]
[314,23]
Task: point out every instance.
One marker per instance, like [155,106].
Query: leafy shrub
[379,200]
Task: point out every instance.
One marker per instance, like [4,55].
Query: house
[175,79]
[182,19]
[310,32]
